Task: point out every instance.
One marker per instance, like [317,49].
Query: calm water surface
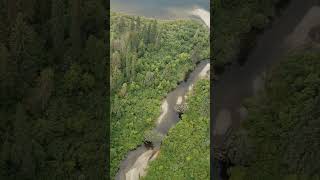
[167,9]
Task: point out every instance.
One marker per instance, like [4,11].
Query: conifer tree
[75,30]
[12,11]
[128,67]
[57,14]
[121,25]
[132,26]
[138,24]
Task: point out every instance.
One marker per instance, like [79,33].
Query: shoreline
[193,14]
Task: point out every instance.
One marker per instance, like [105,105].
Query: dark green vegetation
[52,89]
[280,138]
[185,152]
[149,58]
[236,24]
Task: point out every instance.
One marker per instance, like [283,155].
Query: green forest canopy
[280,138]
[53,89]
[148,58]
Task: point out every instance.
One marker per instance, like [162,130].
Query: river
[136,161]
[240,81]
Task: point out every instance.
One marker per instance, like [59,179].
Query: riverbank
[136,162]
[203,15]
[242,81]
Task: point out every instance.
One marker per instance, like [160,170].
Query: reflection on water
[159,8]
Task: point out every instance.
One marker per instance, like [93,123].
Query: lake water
[166,9]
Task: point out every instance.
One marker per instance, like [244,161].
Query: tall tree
[25,49]
[75,30]
[12,11]
[6,76]
[128,66]
[133,67]
[133,25]
[22,144]
[57,13]
[138,24]
[154,31]
[121,25]
[45,86]
[43,10]
[27,7]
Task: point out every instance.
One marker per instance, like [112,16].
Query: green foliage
[282,128]
[149,58]
[236,25]
[153,137]
[185,152]
[52,109]
[237,173]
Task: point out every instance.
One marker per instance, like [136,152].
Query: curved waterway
[240,81]
[134,165]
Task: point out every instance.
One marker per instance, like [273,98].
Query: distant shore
[203,15]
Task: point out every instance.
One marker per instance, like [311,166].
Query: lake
[165,9]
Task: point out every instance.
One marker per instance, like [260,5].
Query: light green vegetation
[148,59]
[185,152]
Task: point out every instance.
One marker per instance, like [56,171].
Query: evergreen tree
[43,11]
[57,14]
[149,34]
[21,148]
[121,25]
[12,11]
[26,50]
[133,67]
[7,76]
[153,31]
[195,56]
[128,66]
[138,25]
[115,60]
[75,30]
[27,7]
[5,159]
[20,38]
[133,25]
[48,109]
[45,87]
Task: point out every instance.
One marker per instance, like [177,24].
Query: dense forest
[280,137]
[185,152]
[148,58]
[236,25]
[53,89]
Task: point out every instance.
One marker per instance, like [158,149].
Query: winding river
[136,161]
[240,81]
